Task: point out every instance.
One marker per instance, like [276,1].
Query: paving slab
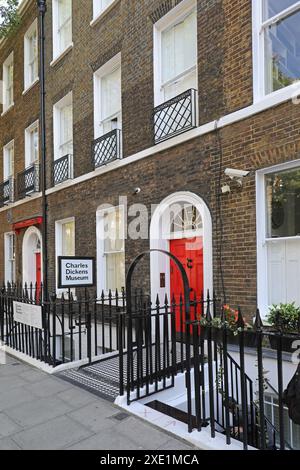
[38,411]
[142,434]
[13,397]
[103,441]
[55,434]
[7,426]
[8,444]
[77,398]
[95,415]
[9,382]
[47,387]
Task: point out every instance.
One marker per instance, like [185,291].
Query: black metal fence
[157,342]
[219,389]
[211,352]
[73,327]
[62,169]
[175,116]
[7,192]
[107,148]
[28,181]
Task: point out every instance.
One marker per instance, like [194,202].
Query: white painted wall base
[49,369]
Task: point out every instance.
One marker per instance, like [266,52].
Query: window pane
[34,146]
[66,130]
[115,271]
[68,239]
[114,231]
[179,48]
[273,7]
[283,204]
[65,23]
[111,94]
[282,49]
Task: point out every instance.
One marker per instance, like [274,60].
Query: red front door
[190,254]
[38,276]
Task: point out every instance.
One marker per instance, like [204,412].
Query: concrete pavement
[38,412]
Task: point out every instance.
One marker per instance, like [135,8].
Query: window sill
[291,92]
[103,13]
[29,87]
[7,109]
[61,55]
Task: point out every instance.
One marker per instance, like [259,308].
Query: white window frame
[269,400]
[9,264]
[65,101]
[28,82]
[99,9]
[174,16]
[284,94]
[261,229]
[6,174]
[101,258]
[57,51]
[28,131]
[58,249]
[6,64]
[106,69]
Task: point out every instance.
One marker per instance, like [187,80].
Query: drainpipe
[42,10]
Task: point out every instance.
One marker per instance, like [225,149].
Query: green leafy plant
[9,17]
[284,316]
[230,321]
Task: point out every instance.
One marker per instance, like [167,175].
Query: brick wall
[12,126]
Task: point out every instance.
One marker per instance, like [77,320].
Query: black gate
[154,354]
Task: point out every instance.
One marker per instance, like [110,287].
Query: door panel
[38,277]
[190,254]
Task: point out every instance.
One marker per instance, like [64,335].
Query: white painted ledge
[103,13]
[7,109]
[29,87]
[61,55]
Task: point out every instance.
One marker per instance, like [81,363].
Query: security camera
[236,175]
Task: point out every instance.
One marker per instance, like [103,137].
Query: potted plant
[285,318]
[231,323]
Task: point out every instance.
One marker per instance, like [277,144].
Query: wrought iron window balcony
[175,116]
[62,169]
[107,148]
[28,181]
[7,192]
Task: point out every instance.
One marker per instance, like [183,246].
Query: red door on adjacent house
[190,254]
[38,276]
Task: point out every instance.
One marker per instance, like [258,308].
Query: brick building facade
[239,126]
[19,129]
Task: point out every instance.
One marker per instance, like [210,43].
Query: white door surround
[32,244]
[159,240]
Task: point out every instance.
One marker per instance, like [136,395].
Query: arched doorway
[182,225]
[32,256]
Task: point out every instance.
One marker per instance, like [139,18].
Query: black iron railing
[74,328]
[62,169]
[157,343]
[107,148]
[224,394]
[175,116]
[7,192]
[28,181]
